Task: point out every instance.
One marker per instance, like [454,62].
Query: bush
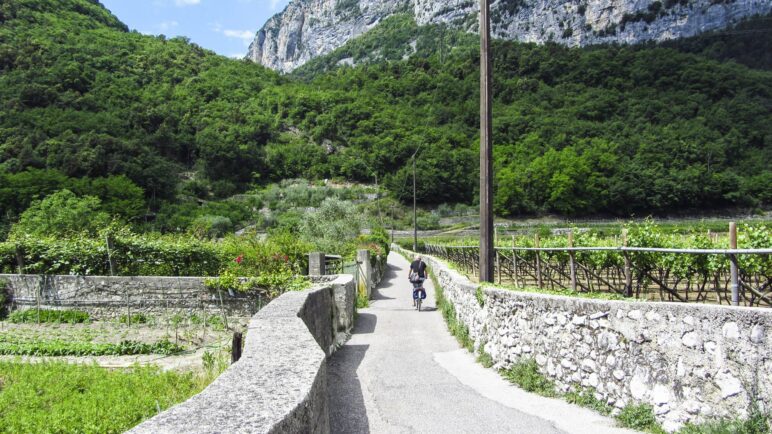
[4,298]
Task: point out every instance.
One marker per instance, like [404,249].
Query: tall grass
[55,397]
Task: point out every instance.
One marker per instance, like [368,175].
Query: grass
[48,316]
[639,417]
[525,374]
[586,398]
[61,398]
[757,423]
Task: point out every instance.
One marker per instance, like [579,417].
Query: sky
[226,27]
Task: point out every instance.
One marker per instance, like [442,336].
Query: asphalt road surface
[402,372]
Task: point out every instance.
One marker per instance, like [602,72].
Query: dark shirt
[419,267]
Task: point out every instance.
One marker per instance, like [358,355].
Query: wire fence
[731,276]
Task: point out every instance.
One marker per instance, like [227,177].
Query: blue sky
[224,26]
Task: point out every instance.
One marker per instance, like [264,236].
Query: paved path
[402,372]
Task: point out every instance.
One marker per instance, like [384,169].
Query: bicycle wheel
[418,302]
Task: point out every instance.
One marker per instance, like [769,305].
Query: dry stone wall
[280,383]
[110,297]
[690,362]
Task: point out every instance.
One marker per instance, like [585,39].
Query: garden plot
[176,342]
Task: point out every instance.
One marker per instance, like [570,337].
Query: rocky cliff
[311,28]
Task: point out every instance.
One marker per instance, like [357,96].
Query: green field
[56,397]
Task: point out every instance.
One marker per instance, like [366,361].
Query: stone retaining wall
[280,383]
[109,297]
[691,362]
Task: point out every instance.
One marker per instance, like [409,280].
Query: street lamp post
[486,148]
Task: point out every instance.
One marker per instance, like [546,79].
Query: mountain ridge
[307,29]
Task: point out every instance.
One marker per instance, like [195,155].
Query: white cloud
[181,3]
[239,34]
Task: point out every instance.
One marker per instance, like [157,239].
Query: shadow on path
[365,323]
[344,390]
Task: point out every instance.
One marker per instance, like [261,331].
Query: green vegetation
[13,346]
[526,375]
[137,318]
[758,423]
[48,316]
[158,130]
[4,298]
[56,397]
[586,398]
[639,417]
[648,234]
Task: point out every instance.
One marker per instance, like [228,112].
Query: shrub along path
[402,371]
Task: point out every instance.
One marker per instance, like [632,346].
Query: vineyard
[646,264]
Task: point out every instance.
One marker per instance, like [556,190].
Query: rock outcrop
[311,28]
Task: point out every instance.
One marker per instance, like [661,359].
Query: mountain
[310,28]
[87,105]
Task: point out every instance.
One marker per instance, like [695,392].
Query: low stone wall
[690,362]
[280,383]
[110,297]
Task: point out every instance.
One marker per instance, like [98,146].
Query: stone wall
[691,362]
[280,383]
[110,297]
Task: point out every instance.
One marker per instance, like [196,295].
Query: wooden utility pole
[415,213]
[486,148]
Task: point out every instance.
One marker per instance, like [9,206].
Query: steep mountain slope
[310,28]
[614,130]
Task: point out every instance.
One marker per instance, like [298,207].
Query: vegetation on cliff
[150,123]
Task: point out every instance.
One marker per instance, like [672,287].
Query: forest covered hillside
[149,123]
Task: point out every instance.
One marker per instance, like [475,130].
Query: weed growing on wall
[525,374]
[4,298]
[586,398]
[640,417]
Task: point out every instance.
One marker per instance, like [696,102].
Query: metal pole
[572,259]
[486,148]
[733,269]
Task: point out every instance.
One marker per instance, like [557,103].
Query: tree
[62,214]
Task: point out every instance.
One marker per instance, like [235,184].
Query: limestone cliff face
[311,28]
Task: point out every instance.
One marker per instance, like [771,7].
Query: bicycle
[419,293]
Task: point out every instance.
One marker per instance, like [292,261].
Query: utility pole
[486,148]
[415,214]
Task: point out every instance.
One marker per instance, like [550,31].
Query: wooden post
[628,267]
[572,259]
[109,243]
[538,262]
[20,258]
[498,264]
[514,262]
[236,347]
[733,268]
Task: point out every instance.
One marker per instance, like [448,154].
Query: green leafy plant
[61,397]
[11,346]
[137,318]
[586,398]
[640,417]
[49,316]
[526,375]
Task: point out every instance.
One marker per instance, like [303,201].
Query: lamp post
[486,148]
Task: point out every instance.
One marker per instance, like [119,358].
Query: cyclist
[417,275]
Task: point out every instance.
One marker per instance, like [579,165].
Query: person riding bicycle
[417,276]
